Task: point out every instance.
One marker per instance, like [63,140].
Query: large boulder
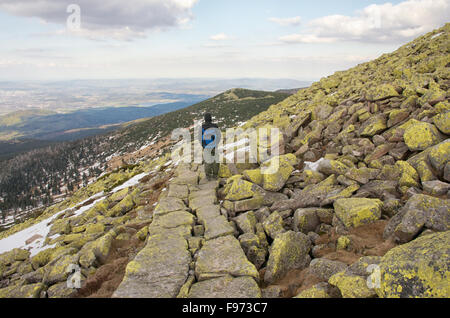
[159,270]
[306,220]
[325,268]
[351,286]
[273,225]
[354,212]
[277,171]
[239,189]
[289,251]
[420,268]
[442,122]
[421,211]
[420,135]
[221,256]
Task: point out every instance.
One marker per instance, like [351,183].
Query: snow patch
[313,166]
[131,182]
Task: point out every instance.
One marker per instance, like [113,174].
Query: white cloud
[112,19]
[295,21]
[306,38]
[377,23]
[220,37]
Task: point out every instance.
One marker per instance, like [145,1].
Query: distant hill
[290,91]
[52,126]
[29,177]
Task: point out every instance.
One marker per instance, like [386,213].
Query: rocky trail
[191,250]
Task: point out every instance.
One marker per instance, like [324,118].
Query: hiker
[210,139]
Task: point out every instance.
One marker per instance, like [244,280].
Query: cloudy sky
[296,39]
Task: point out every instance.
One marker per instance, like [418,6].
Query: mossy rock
[408,175]
[289,251]
[373,126]
[351,286]
[22,291]
[277,171]
[14,255]
[354,212]
[420,268]
[239,189]
[442,122]
[421,135]
[254,176]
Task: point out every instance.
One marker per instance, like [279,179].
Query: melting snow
[131,182]
[40,230]
[313,165]
[436,35]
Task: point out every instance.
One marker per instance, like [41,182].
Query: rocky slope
[359,207]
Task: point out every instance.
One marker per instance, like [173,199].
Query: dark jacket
[207,141]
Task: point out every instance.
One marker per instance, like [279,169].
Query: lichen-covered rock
[417,269]
[223,255]
[365,266]
[60,290]
[380,92]
[216,227]
[421,211]
[273,225]
[354,212]
[169,204]
[254,176]
[246,222]
[362,175]
[14,255]
[240,189]
[320,290]
[329,167]
[289,251]
[351,286]
[142,233]
[159,270]
[439,156]
[172,220]
[96,252]
[226,287]
[408,175]
[59,270]
[122,207]
[397,116]
[342,243]
[373,126]
[442,122]
[25,291]
[325,268]
[436,187]
[305,220]
[250,204]
[421,135]
[277,171]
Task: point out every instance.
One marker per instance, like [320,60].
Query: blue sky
[303,40]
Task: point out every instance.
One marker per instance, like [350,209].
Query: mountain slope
[34,177]
[358,209]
